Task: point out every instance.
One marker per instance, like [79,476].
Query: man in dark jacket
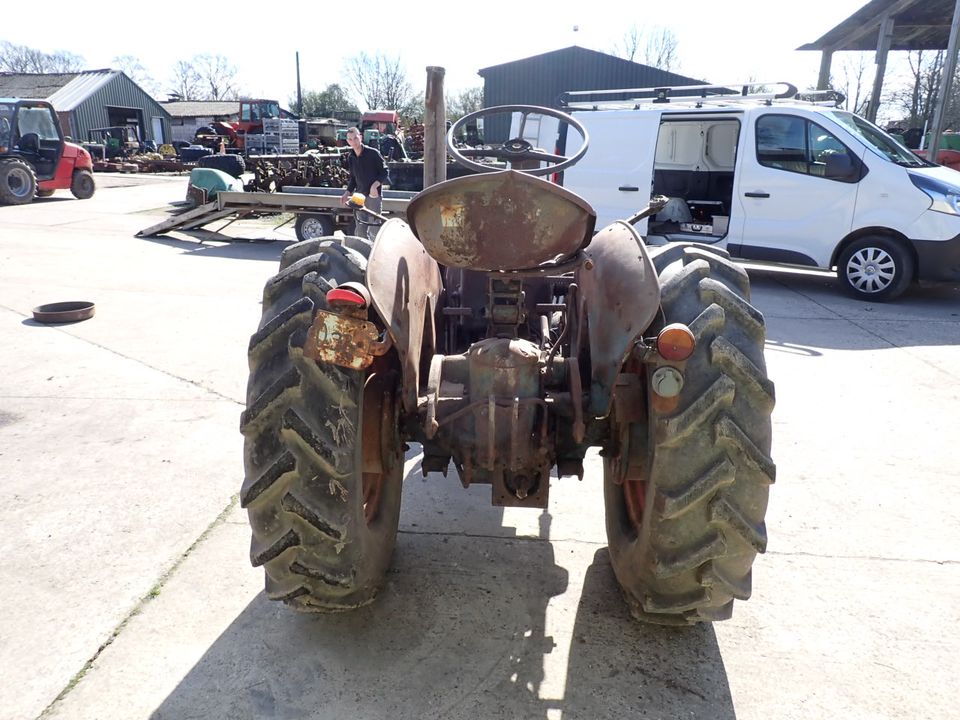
[368,174]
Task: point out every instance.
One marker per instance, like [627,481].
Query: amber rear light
[676,342]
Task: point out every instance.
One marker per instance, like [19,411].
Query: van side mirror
[841,167]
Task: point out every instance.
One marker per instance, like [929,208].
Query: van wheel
[875,268]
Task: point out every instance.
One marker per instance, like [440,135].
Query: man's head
[354,138]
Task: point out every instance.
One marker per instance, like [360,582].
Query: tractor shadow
[475,621]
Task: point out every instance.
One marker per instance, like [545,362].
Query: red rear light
[676,342]
[345,297]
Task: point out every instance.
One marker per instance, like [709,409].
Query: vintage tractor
[500,332]
[34,159]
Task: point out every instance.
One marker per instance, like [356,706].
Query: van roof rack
[696,96]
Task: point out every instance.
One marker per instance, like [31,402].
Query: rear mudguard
[405,286]
[620,296]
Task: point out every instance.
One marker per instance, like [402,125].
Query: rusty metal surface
[621,294]
[405,286]
[500,221]
[342,340]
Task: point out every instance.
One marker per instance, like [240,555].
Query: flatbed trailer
[318,211]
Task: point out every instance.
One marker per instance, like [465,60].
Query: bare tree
[464,103]
[134,70]
[381,83]
[217,77]
[185,81]
[657,46]
[23,59]
[856,82]
[916,99]
[204,77]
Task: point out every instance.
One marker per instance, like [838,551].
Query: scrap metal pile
[270,174]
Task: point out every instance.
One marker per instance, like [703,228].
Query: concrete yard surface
[126,591]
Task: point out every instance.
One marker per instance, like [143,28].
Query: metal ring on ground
[64,312]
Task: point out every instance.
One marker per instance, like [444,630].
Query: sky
[721,42]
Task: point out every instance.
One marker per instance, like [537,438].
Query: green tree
[464,103]
[326,103]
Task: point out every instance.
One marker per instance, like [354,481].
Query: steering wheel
[517,148]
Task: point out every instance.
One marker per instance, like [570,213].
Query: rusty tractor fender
[405,286]
[620,295]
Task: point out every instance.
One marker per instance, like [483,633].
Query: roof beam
[872,25]
[883,47]
[946,79]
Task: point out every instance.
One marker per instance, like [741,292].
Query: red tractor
[34,158]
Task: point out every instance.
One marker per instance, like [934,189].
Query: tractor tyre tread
[709,468]
[7,195]
[303,476]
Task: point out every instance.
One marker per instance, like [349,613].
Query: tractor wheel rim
[19,182]
[634,495]
[378,431]
[871,270]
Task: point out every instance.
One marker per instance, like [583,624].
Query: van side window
[791,143]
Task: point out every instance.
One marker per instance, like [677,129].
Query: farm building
[187,115]
[92,99]
[542,79]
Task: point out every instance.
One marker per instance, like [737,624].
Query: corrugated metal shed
[541,79]
[92,99]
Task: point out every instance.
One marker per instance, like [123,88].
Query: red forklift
[34,158]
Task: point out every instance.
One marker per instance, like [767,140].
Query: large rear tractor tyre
[322,454]
[18,182]
[686,486]
[82,186]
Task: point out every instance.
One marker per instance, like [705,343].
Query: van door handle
[757,194]
[628,188]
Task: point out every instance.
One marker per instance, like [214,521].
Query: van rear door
[616,173]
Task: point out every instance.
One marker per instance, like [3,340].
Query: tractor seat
[29,143]
[500,221]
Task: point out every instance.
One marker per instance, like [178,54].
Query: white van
[773,180]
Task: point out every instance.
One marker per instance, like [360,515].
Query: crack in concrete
[140,605]
[483,536]
[879,558]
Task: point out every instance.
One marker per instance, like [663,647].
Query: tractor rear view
[34,158]
[501,332]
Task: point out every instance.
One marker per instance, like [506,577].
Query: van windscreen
[878,140]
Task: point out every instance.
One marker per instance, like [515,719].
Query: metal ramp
[190,220]
[291,200]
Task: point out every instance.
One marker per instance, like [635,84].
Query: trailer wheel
[686,488]
[82,186]
[309,227]
[322,453]
[18,183]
